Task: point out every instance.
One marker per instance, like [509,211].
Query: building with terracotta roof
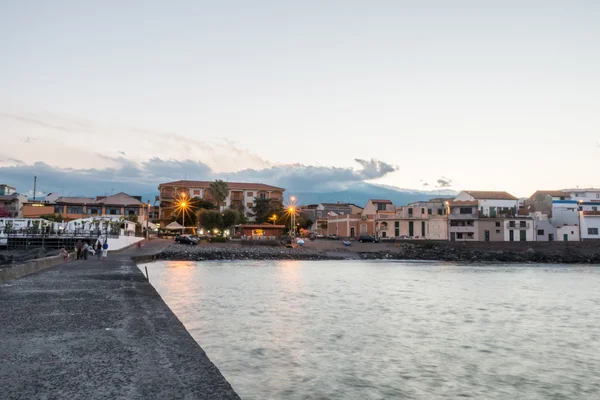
[487,216]
[70,208]
[417,220]
[241,195]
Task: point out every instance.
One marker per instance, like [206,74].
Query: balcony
[463,229]
[463,216]
[167,194]
[591,213]
[519,226]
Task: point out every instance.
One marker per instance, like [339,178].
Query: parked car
[333,237]
[367,238]
[186,239]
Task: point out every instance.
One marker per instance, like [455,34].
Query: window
[113,211]
[250,194]
[262,196]
[410,211]
[594,208]
[380,206]
[598,195]
[423,228]
[459,235]
[94,211]
[439,211]
[592,231]
[429,211]
[422,211]
[196,192]
[512,224]
[131,211]
[75,210]
[497,230]
[58,209]
[249,205]
[523,224]
[466,210]
[397,228]
[540,232]
[497,223]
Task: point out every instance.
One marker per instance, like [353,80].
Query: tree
[229,218]
[263,210]
[232,217]
[210,219]
[132,218]
[219,191]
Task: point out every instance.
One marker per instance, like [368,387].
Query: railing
[463,216]
[591,213]
[259,238]
[519,226]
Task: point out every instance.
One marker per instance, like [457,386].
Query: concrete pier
[99,330]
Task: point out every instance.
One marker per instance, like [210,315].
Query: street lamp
[183,207]
[147,219]
[274,218]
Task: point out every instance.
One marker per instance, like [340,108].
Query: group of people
[82,248]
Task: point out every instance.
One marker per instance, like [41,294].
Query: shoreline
[400,252]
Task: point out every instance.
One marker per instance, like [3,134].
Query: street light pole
[147,219]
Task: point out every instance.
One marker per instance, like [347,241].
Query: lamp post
[183,206]
[147,219]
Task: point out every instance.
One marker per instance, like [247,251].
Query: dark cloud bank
[144,178]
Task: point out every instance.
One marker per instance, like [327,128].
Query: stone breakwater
[403,251]
[445,253]
[178,252]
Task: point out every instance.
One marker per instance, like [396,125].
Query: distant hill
[359,194]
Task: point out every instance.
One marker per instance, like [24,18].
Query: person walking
[99,249]
[105,250]
[84,250]
[78,246]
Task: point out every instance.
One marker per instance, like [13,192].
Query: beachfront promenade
[99,330]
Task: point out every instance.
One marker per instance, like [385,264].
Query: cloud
[143,178]
[34,121]
[444,182]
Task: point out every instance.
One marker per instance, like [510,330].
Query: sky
[477,95]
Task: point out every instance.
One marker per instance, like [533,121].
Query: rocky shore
[178,252]
[443,253]
[403,251]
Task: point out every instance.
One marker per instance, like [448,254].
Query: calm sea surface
[392,330]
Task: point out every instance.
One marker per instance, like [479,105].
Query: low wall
[30,267]
[122,241]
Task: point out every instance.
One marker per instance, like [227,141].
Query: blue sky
[501,96]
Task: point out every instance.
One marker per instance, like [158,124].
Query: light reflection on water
[387,330]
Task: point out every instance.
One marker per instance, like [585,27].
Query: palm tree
[219,191]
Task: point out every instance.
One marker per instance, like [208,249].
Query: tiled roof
[490,195]
[75,200]
[381,201]
[119,199]
[552,193]
[231,185]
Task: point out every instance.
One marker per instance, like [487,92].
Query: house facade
[13,204]
[418,220]
[487,216]
[70,208]
[319,214]
[241,195]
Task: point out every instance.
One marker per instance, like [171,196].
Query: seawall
[98,330]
